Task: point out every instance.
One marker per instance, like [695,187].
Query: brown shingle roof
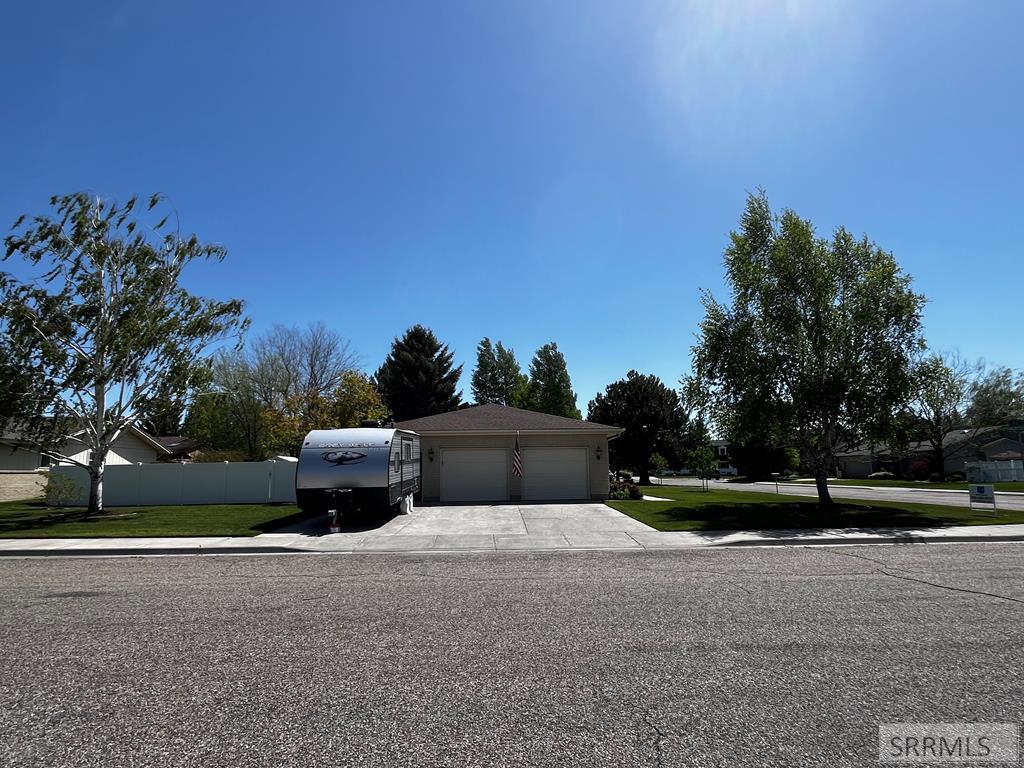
[499,418]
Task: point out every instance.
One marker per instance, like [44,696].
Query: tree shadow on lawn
[38,515]
[32,515]
[789,520]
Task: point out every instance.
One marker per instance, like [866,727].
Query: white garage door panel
[555,473]
[474,474]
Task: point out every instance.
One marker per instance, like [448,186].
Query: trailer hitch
[340,500]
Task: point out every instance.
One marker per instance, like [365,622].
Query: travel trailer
[370,469]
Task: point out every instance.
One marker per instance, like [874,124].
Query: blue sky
[534,171]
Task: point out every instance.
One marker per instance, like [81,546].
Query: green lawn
[693,509]
[27,519]
[923,484]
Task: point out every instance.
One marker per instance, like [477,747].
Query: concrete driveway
[584,525]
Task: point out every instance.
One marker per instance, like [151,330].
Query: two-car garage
[468,455]
[482,474]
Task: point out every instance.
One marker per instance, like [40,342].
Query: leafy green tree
[226,418]
[497,377]
[996,398]
[942,389]
[354,401]
[819,338]
[108,328]
[279,375]
[653,419]
[703,462]
[163,417]
[659,462]
[550,389]
[17,384]
[418,378]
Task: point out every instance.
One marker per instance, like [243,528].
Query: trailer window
[406,450]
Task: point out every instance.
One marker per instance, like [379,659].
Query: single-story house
[468,455]
[132,446]
[959,447]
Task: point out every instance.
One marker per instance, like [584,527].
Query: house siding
[597,469]
[13,459]
[127,449]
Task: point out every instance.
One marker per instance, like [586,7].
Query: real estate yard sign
[983,494]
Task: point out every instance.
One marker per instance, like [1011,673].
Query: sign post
[983,494]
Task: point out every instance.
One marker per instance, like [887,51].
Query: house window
[722,451]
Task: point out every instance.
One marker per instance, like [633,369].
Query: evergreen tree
[550,389]
[417,378]
[485,379]
[497,377]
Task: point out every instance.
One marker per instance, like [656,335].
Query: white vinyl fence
[257,482]
[994,471]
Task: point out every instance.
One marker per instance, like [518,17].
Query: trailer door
[408,476]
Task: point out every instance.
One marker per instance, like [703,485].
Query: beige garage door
[474,474]
[555,473]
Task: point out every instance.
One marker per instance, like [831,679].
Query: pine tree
[417,378]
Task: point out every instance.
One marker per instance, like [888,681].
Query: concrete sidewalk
[375,541]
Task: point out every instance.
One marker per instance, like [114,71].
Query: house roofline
[609,433]
[141,434]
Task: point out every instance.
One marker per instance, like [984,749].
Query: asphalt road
[742,657]
[919,496]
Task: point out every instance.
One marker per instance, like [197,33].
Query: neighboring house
[467,455]
[182,449]
[721,449]
[133,446]
[959,447]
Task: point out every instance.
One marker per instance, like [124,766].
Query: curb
[955,539]
[268,550]
[134,551]
[838,488]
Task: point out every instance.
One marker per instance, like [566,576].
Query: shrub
[621,490]
[883,475]
[956,477]
[60,490]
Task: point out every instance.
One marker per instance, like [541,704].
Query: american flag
[517,459]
